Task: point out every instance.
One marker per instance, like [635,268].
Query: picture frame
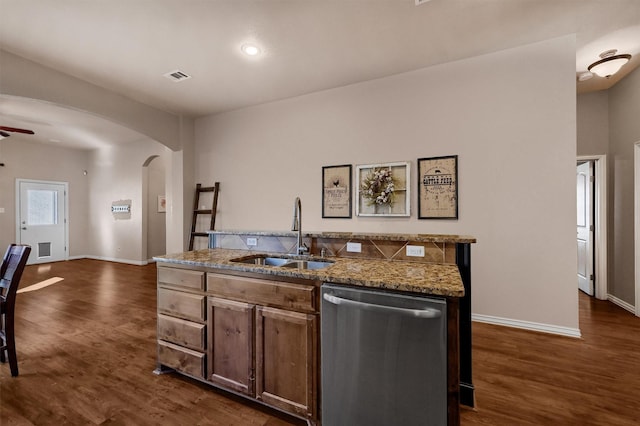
[162,204]
[438,187]
[367,197]
[336,192]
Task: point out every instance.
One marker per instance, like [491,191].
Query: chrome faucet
[301,248]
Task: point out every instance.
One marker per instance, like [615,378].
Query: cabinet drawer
[181,359]
[184,305]
[181,332]
[263,292]
[173,276]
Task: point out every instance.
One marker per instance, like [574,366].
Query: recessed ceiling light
[250,49]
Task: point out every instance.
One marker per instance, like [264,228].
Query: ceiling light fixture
[609,64]
[250,49]
[585,76]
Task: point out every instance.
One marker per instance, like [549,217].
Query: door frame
[600,231]
[66,209]
[636,214]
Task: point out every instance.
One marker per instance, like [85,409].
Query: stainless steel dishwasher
[384,358]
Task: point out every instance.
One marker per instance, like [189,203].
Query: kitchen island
[253,328]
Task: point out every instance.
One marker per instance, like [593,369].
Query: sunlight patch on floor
[41,284]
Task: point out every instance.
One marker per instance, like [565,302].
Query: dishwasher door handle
[416,313]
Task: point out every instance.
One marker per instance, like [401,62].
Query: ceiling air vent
[177,75]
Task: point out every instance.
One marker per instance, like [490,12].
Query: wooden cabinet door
[286,360]
[231,344]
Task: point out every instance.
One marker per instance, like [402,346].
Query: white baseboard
[528,325]
[624,305]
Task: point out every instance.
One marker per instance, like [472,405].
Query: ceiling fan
[4,131]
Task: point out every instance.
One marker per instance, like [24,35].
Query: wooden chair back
[11,269]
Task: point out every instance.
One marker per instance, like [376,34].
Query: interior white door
[42,220]
[585,227]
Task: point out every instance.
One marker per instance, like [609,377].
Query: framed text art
[336,191]
[438,187]
[383,189]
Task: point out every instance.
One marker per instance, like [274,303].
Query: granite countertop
[425,278]
[425,238]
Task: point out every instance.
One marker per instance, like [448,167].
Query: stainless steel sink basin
[307,264]
[285,262]
[262,260]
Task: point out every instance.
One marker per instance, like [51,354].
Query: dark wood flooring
[86,351]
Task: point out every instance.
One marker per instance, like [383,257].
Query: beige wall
[624,132]
[27,160]
[24,78]
[511,118]
[117,174]
[608,124]
[156,226]
[112,174]
[593,123]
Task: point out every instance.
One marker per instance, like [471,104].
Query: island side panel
[467,390]
[453,362]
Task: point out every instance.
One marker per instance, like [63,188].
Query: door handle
[24,227]
[418,313]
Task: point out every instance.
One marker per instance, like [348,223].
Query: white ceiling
[127,45]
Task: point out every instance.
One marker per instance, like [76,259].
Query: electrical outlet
[252,241]
[354,247]
[416,251]
[1,209]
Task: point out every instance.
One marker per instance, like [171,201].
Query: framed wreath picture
[336,191]
[438,187]
[383,189]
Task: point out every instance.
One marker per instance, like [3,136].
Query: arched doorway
[154,219]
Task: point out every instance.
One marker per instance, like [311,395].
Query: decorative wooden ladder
[196,211]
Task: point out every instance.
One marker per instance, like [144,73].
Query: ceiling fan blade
[16,130]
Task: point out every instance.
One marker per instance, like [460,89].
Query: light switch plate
[354,247]
[415,251]
[1,209]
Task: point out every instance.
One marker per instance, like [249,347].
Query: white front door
[42,220]
[585,227]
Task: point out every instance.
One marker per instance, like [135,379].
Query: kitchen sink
[284,262]
[307,264]
[262,260]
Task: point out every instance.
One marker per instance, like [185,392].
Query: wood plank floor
[86,349]
[86,352]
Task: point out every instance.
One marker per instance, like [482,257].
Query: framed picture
[162,204]
[336,191]
[438,187]
[383,189]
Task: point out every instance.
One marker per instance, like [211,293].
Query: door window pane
[42,207]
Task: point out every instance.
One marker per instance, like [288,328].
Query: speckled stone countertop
[425,238]
[426,278]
